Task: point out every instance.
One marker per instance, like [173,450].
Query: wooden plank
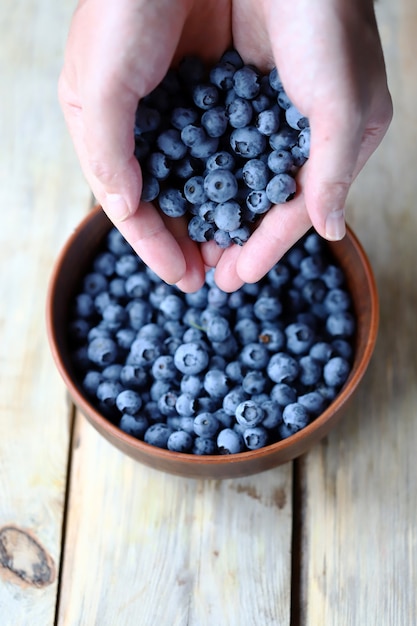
[143,547]
[38,213]
[359,546]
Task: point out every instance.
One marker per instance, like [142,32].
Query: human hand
[118,52]
[330,61]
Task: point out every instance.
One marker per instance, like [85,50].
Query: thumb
[335,146]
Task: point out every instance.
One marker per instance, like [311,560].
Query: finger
[281,228]
[226,275]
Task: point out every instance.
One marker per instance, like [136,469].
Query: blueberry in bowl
[211,384]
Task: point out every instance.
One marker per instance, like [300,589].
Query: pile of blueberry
[219,145]
[212,372]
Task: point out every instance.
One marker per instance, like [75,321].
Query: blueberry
[280,161]
[134,377]
[135,425]
[274,80]
[336,371]
[322,351]
[247,142]
[221,75]
[150,188]
[139,313]
[218,328]
[180,441]
[313,401]
[284,101]
[143,352]
[173,307]
[183,116]
[205,96]
[129,401]
[284,139]
[116,243]
[186,405]
[239,113]
[191,358]
[163,368]
[79,329]
[83,305]
[267,308]
[194,190]
[220,160]
[246,82]
[137,285]
[295,119]
[258,202]
[203,446]
[147,119]
[295,416]
[337,300]
[281,188]
[254,356]
[272,338]
[229,442]
[234,371]
[300,338]
[112,372]
[341,324]
[126,265]
[170,143]
[204,149]
[310,371]
[222,238]
[342,348]
[199,230]
[102,351]
[255,174]
[107,392]
[233,57]
[158,434]
[272,414]
[267,121]
[94,283]
[193,134]
[206,425]
[91,381]
[298,157]
[233,399]
[158,165]
[167,402]
[172,202]
[214,121]
[304,142]
[227,215]
[249,413]
[282,368]
[220,185]
[215,383]
[255,437]
[240,235]
[254,382]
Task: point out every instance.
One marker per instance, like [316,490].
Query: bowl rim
[101,423]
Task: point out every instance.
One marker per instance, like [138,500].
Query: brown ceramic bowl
[70,267]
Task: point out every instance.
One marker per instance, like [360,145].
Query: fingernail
[116,207]
[335,225]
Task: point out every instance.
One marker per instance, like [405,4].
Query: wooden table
[87,536]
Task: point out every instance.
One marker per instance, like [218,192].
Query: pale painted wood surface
[38,211]
[143,548]
[359,515]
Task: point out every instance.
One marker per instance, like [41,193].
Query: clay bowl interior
[66,274]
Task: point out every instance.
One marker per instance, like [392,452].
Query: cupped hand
[331,64]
